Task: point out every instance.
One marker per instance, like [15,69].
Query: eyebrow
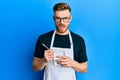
[62,17]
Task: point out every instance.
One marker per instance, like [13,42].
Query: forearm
[39,64]
[80,67]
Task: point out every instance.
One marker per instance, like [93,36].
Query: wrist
[74,64]
[44,60]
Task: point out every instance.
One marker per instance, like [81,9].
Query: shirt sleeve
[82,52]
[39,50]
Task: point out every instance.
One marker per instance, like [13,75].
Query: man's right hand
[40,63]
[48,55]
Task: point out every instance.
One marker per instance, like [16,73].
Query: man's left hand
[65,61]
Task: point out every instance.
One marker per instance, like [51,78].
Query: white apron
[55,71]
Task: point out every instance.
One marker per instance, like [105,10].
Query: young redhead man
[61,52]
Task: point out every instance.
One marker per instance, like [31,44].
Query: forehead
[64,13]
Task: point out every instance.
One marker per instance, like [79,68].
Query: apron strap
[53,36]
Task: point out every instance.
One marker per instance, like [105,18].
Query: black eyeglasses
[58,19]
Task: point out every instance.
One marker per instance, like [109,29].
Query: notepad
[58,53]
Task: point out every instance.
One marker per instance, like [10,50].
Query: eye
[57,18]
[65,18]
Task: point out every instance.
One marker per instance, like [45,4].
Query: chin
[62,31]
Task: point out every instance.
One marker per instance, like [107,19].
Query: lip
[61,27]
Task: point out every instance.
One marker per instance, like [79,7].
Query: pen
[45,46]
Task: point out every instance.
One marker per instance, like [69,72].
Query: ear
[70,18]
[53,16]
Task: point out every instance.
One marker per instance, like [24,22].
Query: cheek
[67,24]
[56,23]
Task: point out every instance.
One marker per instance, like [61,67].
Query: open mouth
[61,26]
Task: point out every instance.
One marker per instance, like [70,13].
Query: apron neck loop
[53,37]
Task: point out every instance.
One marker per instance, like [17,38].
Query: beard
[62,28]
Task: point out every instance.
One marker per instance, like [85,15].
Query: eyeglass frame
[54,17]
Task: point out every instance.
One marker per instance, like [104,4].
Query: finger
[61,62]
[50,56]
[46,51]
[50,51]
[63,57]
[64,65]
[58,60]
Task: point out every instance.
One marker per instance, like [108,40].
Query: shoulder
[45,38]
[46,35]
[76,37]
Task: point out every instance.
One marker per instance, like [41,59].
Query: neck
[64,33]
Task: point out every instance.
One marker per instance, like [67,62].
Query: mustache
[61,25]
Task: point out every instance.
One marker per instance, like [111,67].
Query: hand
[48,55]
[65,61]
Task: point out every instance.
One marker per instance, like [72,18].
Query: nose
[61,21]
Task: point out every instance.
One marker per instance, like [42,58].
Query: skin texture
[61,29]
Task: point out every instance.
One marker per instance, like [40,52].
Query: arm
[40,63]
[80,67]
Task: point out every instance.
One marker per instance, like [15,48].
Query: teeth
[61,27]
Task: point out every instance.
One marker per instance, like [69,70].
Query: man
[61,52]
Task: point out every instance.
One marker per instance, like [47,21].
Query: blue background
[22,21]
